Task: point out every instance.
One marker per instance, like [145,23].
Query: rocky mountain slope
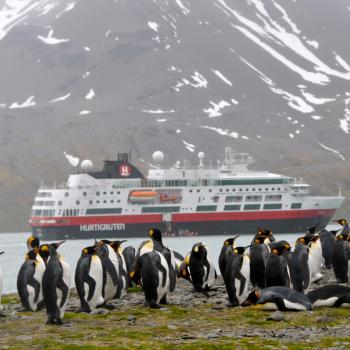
[92,78]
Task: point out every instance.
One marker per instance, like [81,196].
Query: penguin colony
[266,274]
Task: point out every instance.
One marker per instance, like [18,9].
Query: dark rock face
[97,78]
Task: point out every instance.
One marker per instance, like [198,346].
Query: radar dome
[86,164]
[158,156]
[201,155]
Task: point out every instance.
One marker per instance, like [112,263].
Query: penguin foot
[54,321]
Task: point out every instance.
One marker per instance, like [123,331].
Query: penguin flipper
[64,288]
[36,285]
[243,280]
[92,284]
[110,268]
[164,272]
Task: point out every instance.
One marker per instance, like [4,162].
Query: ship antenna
[339,193]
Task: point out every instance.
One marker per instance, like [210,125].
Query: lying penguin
[330,295]
[279,298]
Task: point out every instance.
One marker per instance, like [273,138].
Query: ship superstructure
[218,198]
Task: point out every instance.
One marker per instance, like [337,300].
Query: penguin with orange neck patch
[89,279]
[56,284]
[225,253]
[277,270]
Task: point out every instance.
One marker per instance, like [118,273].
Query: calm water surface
[15,247]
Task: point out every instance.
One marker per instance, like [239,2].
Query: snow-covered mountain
[94,77]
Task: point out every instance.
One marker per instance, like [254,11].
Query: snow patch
[161,120]
[70,6]
[29,102]
[332,150]
[225,132]
[84,112]
[214,111]
[178,131]
[153,25]
[90,94]
[50,40]
[222,77]
[316,117]
[184,9]
[86,48]
[157,111]
[74,161]
[86,74]
[189,146]
[313,43]
[61,98]
[200,81]
[345,122]
[316,100]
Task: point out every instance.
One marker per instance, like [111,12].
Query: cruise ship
[211,198]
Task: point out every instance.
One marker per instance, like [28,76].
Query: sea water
[15,247]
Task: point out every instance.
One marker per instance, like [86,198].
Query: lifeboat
[142,196]
[167,198]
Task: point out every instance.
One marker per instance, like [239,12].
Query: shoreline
[189,321]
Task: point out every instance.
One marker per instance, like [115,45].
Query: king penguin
[152,271]
[277,270]
[259,252]
[29,281]
[299,268]
[226,251]
[327,239]
[56,285]
[330,295]
[89,279]
[237,275]
[203,274]
[341,258]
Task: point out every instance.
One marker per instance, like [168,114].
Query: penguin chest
[96,273]
[163,288]
[290,305]
[36,296]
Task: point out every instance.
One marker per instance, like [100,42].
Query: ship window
[273,197]
[252,207]
[160,209]
[97,201]
[232,207]
[253,198]
[97,193]
[278,188]
[240,190]
[191,191]
[77,202]
[220,190]
[59,202]
[118,201]
[118,192]
[253,189]
[227,189]
[198,190]
[112,201]
[273,188]
[104,201]
[44,194]
[233,199]
[296,205]
[272,206]
[66,194]
[90,201]
[112,192]
[266,189]
[215,199]
[233,190]
[98,211]
[206,208]
[84,194]
[210,190]
[104,193]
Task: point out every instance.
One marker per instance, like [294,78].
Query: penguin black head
[103,241]
[155,234]
[300,240]
[33,243]
[199,249]
[116,245]
[265,233]
[314,238]
[56,245]
[239,250]
[31,255]
[89,250]
[252,298]
[44,252]
[312,230]
[260,239]
[342,222]
[230,241]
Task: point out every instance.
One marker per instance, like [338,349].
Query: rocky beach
[189,321]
